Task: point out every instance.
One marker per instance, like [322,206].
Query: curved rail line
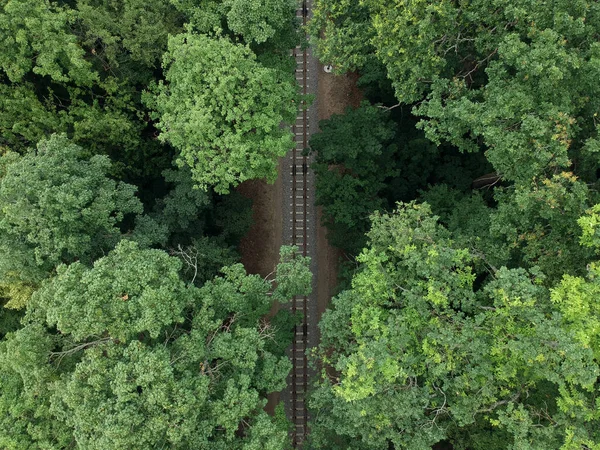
[300,202]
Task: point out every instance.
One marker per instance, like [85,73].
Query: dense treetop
[56,205]
[463,192]
[126,320]
[506,75]
[144,359]
[222,110]
[420,353]
[472,321]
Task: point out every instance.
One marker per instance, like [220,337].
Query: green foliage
[204,258]
[205,16]
[482,332]
[180,209]
[141,300]
[469,218]
[577,299]
[125,355]
[16,126]
[25,419]
[57,206]
[268,26]
[539,224]
[78,69]
[201,228]
[293,276]
[353,160]
[516,79]
[526,114]
[590,226]
[223,111]
[259,20]
[422,354]
[346,30]
[365,161]
[35,37]
[126,35]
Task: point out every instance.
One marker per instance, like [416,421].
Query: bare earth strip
[260,247]
[335,94]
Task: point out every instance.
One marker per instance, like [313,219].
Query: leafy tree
[126,36]
[576,297]
[223,111]
[143,360]
[178,212]
[368,158]
[56,205]
[266,25]
[258,21]
[341,33]
[516,79]
[539,224]
[353,160]
[201,228]
[36,37]
[419,353]
[79,69]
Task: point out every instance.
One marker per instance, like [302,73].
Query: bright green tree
[143,360]
[57,205]
[577,297]
[419,352]
[223,111]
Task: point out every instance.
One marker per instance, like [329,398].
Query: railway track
[301,206]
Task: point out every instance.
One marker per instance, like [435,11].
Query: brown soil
[260,247]
[335,94]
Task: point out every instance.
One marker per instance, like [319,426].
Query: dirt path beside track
[335,94]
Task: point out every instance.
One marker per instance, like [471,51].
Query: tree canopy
[516,78]
[419,353]
[125,354]
[463,192]
[353,160]
[223,111]
[57,205]
[126,320]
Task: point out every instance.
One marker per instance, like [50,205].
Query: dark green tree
[515,79]
[353,160]
[78,68]
[143,360]
[128,37]
[57,205]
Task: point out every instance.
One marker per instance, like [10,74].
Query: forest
[463,193]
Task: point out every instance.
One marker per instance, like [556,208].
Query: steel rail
[299,172]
